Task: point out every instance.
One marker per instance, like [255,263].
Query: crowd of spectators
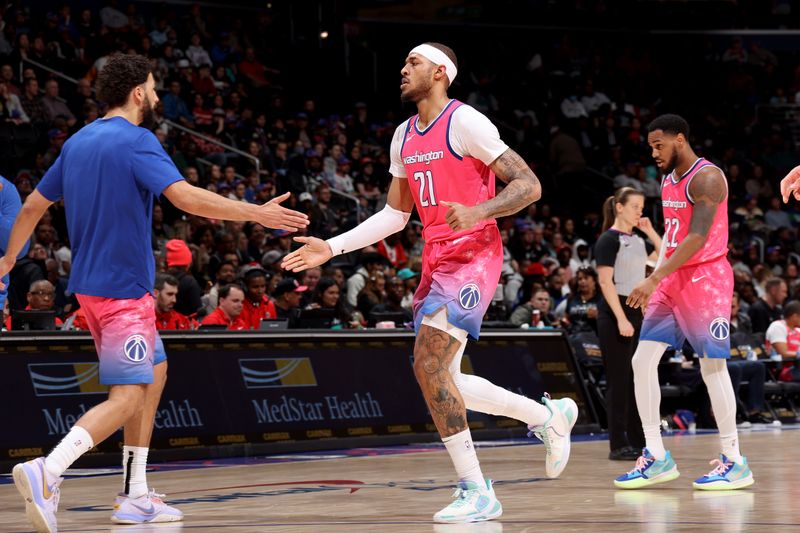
[223,95]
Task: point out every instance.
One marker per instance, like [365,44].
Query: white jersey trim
[470,134]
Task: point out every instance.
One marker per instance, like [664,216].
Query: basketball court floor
[397,489]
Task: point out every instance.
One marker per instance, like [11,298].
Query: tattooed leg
[433,353]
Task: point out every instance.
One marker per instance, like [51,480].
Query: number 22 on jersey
[671,227]
[425,180]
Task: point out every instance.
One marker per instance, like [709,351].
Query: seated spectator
[228,312]
[392,249]
[257,306]
[287,296]
[11,109]
[226,274]
[342,181]
[740,321]
[309,277]
[767,310]
[32,103]
[179,259]
[64,301]
[783,340]
[540,300]
[175,107]
[370,262]
[395,291]
[373,293]
[166,292]
[41,297]
[411,281]
[327,295]
[579,312]
[56,106]
[196,53]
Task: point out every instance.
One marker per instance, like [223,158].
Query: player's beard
[148,114]
[673,162]
[417,94]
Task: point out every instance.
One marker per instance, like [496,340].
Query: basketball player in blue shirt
[109,174]
[10,204]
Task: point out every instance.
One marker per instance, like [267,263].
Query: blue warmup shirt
[10,204]
[109,174]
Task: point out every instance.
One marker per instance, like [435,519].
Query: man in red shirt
[41,297]
[229,311]
[257,306]
[167,318]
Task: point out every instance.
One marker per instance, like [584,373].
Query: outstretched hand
[273,215]
[790,185]
[313,253]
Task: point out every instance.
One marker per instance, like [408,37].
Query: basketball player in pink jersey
[687,297]
[790,185]
[444,161]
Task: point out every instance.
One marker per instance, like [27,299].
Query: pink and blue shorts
[125,336]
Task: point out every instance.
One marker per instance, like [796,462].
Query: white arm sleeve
[385,222]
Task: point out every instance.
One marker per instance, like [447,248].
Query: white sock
[73,445]
[483,396]
[462,453]
[723,402]
[648,394]
[134,471]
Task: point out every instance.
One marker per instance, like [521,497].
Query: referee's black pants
[624,424]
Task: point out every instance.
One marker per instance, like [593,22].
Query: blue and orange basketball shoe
[41,494]
[648,471]
[146,509]
[726,475]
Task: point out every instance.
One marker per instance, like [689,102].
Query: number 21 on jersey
[425,180]
[671,227]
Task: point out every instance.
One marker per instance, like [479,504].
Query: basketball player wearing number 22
[687,298]
[444,161]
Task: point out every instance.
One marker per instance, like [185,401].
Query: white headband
[437,57]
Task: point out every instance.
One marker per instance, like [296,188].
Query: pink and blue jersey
[435,172]
[694,302]
[678,205]
[460,270]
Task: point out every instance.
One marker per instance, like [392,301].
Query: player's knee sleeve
[710,367]
[647,355]
[439,321]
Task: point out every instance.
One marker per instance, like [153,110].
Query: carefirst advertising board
[255,388]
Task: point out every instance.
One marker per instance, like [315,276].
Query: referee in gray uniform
[621,254]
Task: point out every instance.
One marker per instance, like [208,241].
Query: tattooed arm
[522,189]
[708,190]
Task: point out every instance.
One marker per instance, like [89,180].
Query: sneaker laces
[540,432]
[720,469]
[641,464]
[461,497]
[153,496]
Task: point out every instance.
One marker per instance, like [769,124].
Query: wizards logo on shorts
[135,348]
[720,328]
[469,296]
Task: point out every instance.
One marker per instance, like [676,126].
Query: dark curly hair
[671,124]
[120,76]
